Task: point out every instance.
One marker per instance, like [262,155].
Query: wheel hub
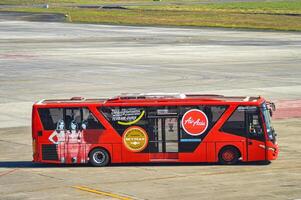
[99,157]
[228,156]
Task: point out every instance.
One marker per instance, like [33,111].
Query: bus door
[165,140]
[255,135]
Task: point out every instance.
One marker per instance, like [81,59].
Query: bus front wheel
[99,157]
[228,156]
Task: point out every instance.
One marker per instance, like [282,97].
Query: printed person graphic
[60,134]
[82,150]
[83,128]
[74,141]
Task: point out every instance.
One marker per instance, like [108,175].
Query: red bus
[145,128]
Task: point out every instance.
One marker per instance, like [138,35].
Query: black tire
[228,156]
[99,157]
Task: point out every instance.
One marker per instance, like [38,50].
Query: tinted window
[72,114]
[255,130]
[51,116]
[217,112]
[236,124]
[92,122]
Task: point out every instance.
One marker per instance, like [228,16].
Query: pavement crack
[52,177]
[8,172]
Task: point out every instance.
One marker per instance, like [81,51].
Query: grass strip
[284,15]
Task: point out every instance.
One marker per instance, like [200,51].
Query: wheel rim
[228,155]
[99,157]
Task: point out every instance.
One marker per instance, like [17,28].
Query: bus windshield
[267,119]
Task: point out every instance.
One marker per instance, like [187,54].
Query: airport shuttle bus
[143,128]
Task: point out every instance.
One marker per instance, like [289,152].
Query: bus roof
[154,97]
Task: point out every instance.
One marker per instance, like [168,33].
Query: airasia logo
[194,122]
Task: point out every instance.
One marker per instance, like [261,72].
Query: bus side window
[72,114]
[50,117]
[217,112]
[255,130]
[90,120]
[236,123]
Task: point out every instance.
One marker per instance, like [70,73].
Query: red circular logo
[194,122]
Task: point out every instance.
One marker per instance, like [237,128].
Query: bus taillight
[33,147]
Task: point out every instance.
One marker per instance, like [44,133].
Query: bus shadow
[188,164]
[29,164]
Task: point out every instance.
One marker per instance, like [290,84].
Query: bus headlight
[272,149]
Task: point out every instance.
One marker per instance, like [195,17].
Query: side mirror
[273,106]
[275,134]
[271,112]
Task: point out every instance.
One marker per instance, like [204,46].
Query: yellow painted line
[116,196]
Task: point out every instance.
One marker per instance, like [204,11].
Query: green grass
[29,2]
[273,7]
[256,15]
[82,2]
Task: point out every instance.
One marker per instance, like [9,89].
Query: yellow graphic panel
[135,138]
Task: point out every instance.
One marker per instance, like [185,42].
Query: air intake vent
[77,99]
[149,96]
[49,152]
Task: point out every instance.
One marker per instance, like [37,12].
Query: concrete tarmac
[41,60]
[59,60]
[21,179]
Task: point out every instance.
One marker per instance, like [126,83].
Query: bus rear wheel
[228,156]
[99,157]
